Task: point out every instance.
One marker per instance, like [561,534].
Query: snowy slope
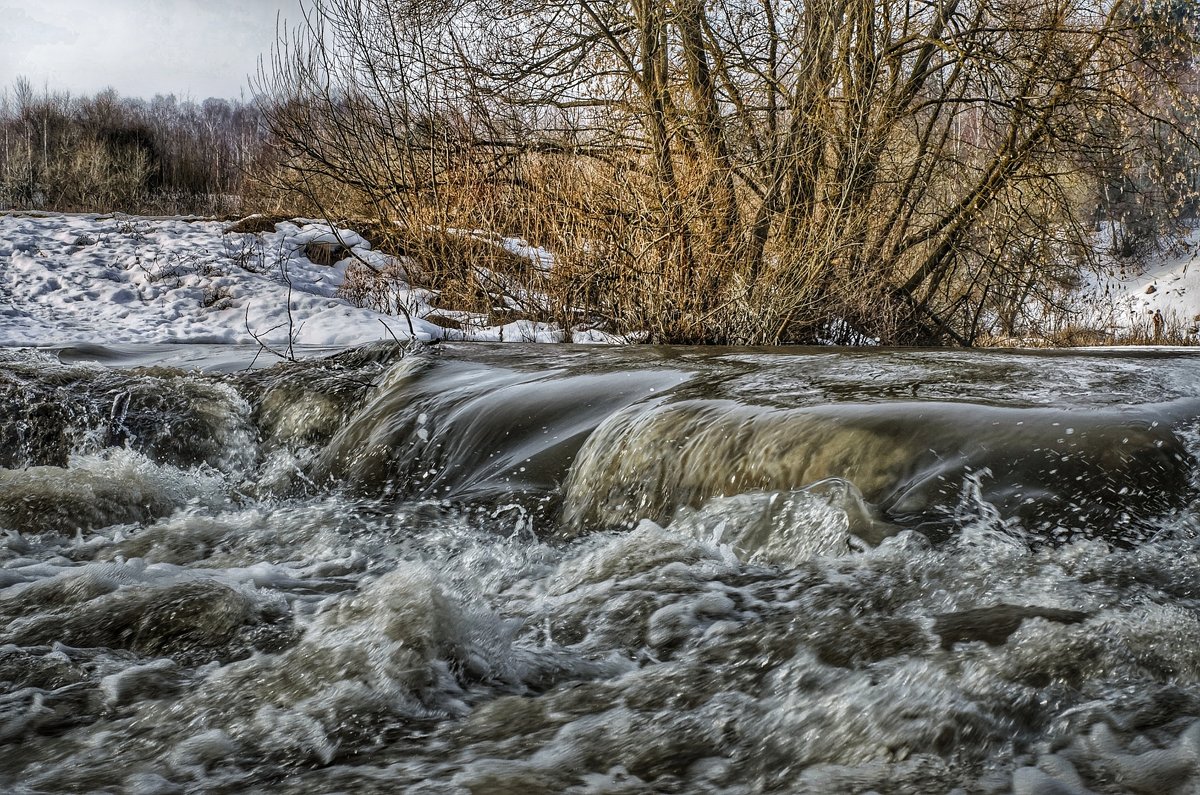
[122,279]
[1124,297]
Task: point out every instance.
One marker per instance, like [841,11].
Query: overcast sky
[190,48]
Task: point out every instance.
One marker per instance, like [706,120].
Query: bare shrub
[105,153]
[717,172]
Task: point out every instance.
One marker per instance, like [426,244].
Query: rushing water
[523,570]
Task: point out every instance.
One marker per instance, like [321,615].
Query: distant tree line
[758,171]
[106,152]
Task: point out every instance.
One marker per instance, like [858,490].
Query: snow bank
[119,279]
[1125,296]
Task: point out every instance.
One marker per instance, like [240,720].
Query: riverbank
[116,279]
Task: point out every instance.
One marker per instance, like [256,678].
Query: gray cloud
[18,28]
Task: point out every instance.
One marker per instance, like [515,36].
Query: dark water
[484,569]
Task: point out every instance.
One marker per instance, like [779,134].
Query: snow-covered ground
[124,279]
[114,279]
[1124,296]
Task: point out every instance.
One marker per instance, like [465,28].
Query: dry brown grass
[459,272]
[1177,329]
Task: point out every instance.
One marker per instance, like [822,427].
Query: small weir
[484,569]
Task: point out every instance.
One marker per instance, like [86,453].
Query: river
[518,569]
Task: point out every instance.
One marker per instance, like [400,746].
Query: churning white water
[483,570]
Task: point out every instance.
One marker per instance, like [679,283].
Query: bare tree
[106,152]
[748,170]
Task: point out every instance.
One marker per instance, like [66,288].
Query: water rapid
[479,569]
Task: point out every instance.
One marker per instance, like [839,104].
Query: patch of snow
[1126,295]
[113,279]
[519,331]
[540,257]
[591,336]
[94,278]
